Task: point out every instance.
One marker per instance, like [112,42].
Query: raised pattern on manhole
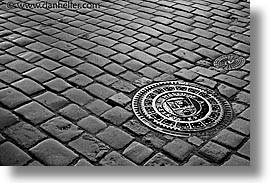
[177,107]
[229,62]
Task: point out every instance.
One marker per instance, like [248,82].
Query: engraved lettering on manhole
[177,107]
[229,62]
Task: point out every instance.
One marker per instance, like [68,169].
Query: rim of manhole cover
[229,62]
[177,107]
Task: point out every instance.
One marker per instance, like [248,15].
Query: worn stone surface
[66,73]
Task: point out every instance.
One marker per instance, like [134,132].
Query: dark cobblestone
[136,127]
[178,149]
[90,147]
[61,128]
[137,152]
[236,161]
[160,160]
[78,96]
[241,126]
[34,112]
[115,159]
[24,134]
[115,137]
[197,161]
[214,151]
[229,139]
[52,101]
[117,115]
[100,91]
[7,118]
[10,155]
[124,86]
[53,153]
[245,149]
[73,112]
[92,124]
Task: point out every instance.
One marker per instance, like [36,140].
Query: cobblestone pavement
[67,78]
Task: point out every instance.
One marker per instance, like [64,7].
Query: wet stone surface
[68,79]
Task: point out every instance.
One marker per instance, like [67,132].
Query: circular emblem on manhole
[229,62]
[177,107]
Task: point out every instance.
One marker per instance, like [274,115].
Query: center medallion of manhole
[229,62]
[176,107]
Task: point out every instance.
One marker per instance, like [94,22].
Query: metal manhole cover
[177,107]
[229,62]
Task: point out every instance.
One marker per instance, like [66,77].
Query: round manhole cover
[229,62]
[177,107]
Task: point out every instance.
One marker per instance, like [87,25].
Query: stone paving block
[55,54]
[73,112]
[48,64]
[119,99]
[154,140]
[78,96]
[129,76]
[143,57]
[11,155]
[241,125]
[135,127]
[204,71]
[238,108]
[187,55]
[120,58]
[9,76]
[215,152]
[98,107]
[92,124]
[52,101]
[134,65]
[231,80]
[123,86]
[115,159]
[83,162]
[160,160]
[229,139]
[243,97]
[245,114]
[71,61]
[104,41]
[208,53]
[38,47]
[186,74]
[114,68]
[81,80]
[28,86]
[24,134]
[149,72]
[34,112]
[58,85]
[137,152]
[39,75]
[64,72]
[61,128]
[103,51]
[178,149]
[227,90]
[12,98]
[206,82]
[30,57]
[89,147]
[35,163]
[7,118]
[20,66]
[236,161]
[115,137]
[89,70]
[245,149]
[53,153]
[100,91]
[162,66]
[197,161]
[117,115]
[195,140]
[4,59]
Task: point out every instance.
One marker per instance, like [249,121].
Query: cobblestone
[160,160]
[137,152]
[214,151]
[90,147]
[61,128]
[115,137]
[64,74]
[11,155]
[34,112]
[117,115]
[53,153]
[24,134]
[178,149]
